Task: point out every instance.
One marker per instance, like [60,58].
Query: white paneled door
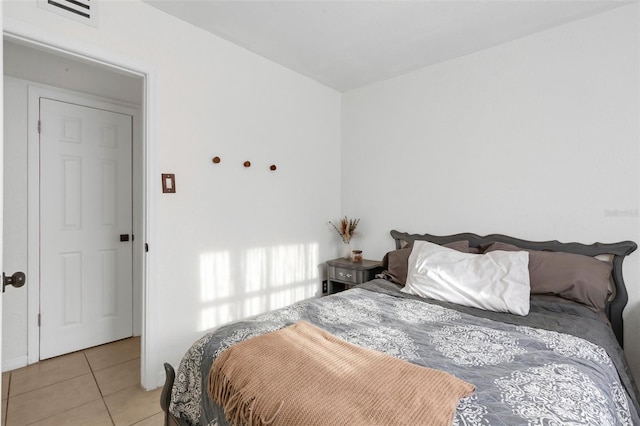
[85,227]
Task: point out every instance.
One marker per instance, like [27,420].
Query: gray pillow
[575,277]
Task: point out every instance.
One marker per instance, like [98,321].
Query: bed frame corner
[165,397]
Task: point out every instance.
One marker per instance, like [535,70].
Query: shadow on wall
[256,281]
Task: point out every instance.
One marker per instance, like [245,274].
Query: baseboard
[13,363]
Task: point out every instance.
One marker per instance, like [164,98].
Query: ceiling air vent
[85,11]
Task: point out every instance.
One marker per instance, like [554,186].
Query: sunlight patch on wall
[255,281]
[284,298]
[291,264]
[256,269]
[213,316]
[254,305]
[215,276]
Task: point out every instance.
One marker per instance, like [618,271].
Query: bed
[561,363]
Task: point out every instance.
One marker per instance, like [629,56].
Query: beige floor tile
[133,405]
[113,353]
[48,372]
[157,420]
[92,414]
[118,377]
[6,377]
[51,400]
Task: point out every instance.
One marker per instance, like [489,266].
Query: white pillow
[496,281]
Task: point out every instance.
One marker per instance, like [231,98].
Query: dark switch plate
[169,183]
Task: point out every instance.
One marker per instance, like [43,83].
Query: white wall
[537,138]
[232,241]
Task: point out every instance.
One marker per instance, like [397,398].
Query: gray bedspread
[559,365]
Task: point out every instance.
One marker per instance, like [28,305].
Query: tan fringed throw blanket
[302,375]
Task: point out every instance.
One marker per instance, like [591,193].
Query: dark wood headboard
[619,251]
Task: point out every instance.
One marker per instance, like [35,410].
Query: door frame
[151,374]
[35,93]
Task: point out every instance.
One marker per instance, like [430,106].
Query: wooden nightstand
[343,274]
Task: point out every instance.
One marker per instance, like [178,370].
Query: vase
[346,250]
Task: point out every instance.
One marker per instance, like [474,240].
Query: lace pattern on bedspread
[556,394]
[186,395]
[523,375]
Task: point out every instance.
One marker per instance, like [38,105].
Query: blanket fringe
[303,375]
[239,409]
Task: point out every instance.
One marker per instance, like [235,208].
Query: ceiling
[349,44]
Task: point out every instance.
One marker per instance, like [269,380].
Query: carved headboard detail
[618,251]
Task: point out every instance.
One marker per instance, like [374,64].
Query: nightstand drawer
[343,274]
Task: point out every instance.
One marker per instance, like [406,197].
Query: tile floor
[97,386]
